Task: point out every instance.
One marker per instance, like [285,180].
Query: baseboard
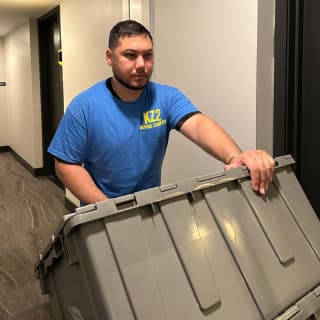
[69,205]
[55,180]
[36,172]
[24,163]
[5,149]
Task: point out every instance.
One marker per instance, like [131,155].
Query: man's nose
[140,62]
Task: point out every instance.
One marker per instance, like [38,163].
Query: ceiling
[15,12]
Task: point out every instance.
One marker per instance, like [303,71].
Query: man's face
[132,61]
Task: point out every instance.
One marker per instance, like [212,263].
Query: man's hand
[209,136]
[260,165]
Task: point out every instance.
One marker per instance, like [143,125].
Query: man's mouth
[139,76]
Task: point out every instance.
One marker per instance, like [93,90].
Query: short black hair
[127,28]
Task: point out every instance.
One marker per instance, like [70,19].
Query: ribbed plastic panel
[204,248]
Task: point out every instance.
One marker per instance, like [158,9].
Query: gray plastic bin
[203,248]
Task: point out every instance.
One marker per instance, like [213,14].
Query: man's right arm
[79,182]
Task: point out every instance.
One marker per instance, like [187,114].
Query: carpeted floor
[30,210]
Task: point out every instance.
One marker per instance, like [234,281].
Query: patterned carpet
[30,210]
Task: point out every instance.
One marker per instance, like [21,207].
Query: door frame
[51,15]
[288,44]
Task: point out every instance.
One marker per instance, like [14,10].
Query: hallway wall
[22,99]
[3,109]
[84,39]
[265,75]
[220,54]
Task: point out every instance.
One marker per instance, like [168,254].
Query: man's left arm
[208,135]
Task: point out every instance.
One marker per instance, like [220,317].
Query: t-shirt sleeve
[179,108]
[70,140]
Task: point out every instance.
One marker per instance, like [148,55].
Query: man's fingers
[260,165]
[263,172]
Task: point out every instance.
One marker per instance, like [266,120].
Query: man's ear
[109,56]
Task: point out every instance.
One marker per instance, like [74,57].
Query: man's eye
[130,55]
[148,55]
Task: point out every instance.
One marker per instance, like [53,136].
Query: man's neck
[124,93]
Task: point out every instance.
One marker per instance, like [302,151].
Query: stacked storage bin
[203,248]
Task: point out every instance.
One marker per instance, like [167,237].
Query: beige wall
[209,50]
[139,11]
[3,109]
[84,36]
[265,75]
[23,93]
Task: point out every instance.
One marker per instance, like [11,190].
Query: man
[113,136]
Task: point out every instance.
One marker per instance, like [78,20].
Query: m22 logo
[152,119]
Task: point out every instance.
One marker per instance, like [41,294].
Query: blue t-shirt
[121,144]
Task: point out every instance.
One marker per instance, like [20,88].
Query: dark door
[297,93]
[51,81]
[310,101]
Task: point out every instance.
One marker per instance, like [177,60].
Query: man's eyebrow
[134,50]
[129,51]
